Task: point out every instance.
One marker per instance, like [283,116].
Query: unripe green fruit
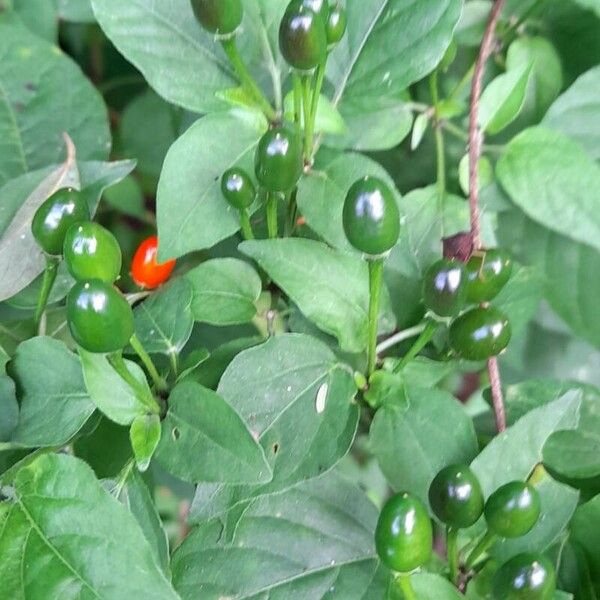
[513,509]
[237,188]
[337,21]
[278,160]
[527,576]
[222,17]
[488,272]
[445,287]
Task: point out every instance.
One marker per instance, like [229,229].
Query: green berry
[55,216]
[302,37]
[237,188]
[480,333]
[92,252]
[100,318]
[488,272]
[404,535]
[513,509]
[278,160]
[455,496]
[445,287]
[370,217]
[526,576]
[222,17]
[337,21]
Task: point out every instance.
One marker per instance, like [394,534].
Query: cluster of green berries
[404,532]
[100,318]
[450,286]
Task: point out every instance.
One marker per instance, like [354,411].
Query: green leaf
[21,260]
[192,213]
[76,11]
[419,128]
[590,4]
[327,119]
[200,423]
[575,454]
[485,173]
[65,536]
[54,403]
[322,192]
[585,531]
[111,394]
[314,540]
[38,82]
[181,61]
[145,436]
[135,495]
[330,288]
[503,99]
[417,436]
[150,144]
[9,408]
[127,197]
[577,112]
[546,78]
[224,291]
[554,181]
[164,322]
[40,16]
[389,44]
[429,586]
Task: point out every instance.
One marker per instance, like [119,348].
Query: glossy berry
[487,273]
[302,37]
[371,218]
[100,318]
[222,17]
[237,188]
[54,217]
[92,252]
[455,496]
[404,534]
[527,576]
[480,333]
[445,287]
[336,25]
[321,7]
[513,509]
[278,160]
[145,270]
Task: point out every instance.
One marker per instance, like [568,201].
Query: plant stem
[405,334]
[297,101]
[308,119]
[475,147]
[246,78]
[174,363]
[483,546]
[420,343]
[375,279]
[320,78]
[272,214]
[118,364]
[292,212]
[245,224]
[47,283]
[452,551]
[462,83]
[408,592]
[159,382]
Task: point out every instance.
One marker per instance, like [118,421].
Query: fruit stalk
[375,279]
[47,284]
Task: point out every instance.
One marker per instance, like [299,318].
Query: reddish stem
[475,144]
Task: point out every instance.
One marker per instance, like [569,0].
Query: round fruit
[54,217]
[321,7]
[404,534]
[371,218]
[237,188]
[145,271]
[513,509]
[487,273]
[278,160]
[336,25]
[100,318]
[526,576]
[303,37]
[480,333]
[445,287]
[222,17]
[92,252]
[455,496]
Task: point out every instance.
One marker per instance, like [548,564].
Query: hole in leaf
[175,433]
[275,448]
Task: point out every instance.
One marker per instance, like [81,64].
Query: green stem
[272,214]
[405,334]
[419,344]
[292,212]
[297,101]
[245,224]
[308,119]
[375,279]
[47,283]
[408,592]
[452,551]
[320,78]
[118,364]
[174,363]
[159,382]
[483,546]
[462,83]
[246,78]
